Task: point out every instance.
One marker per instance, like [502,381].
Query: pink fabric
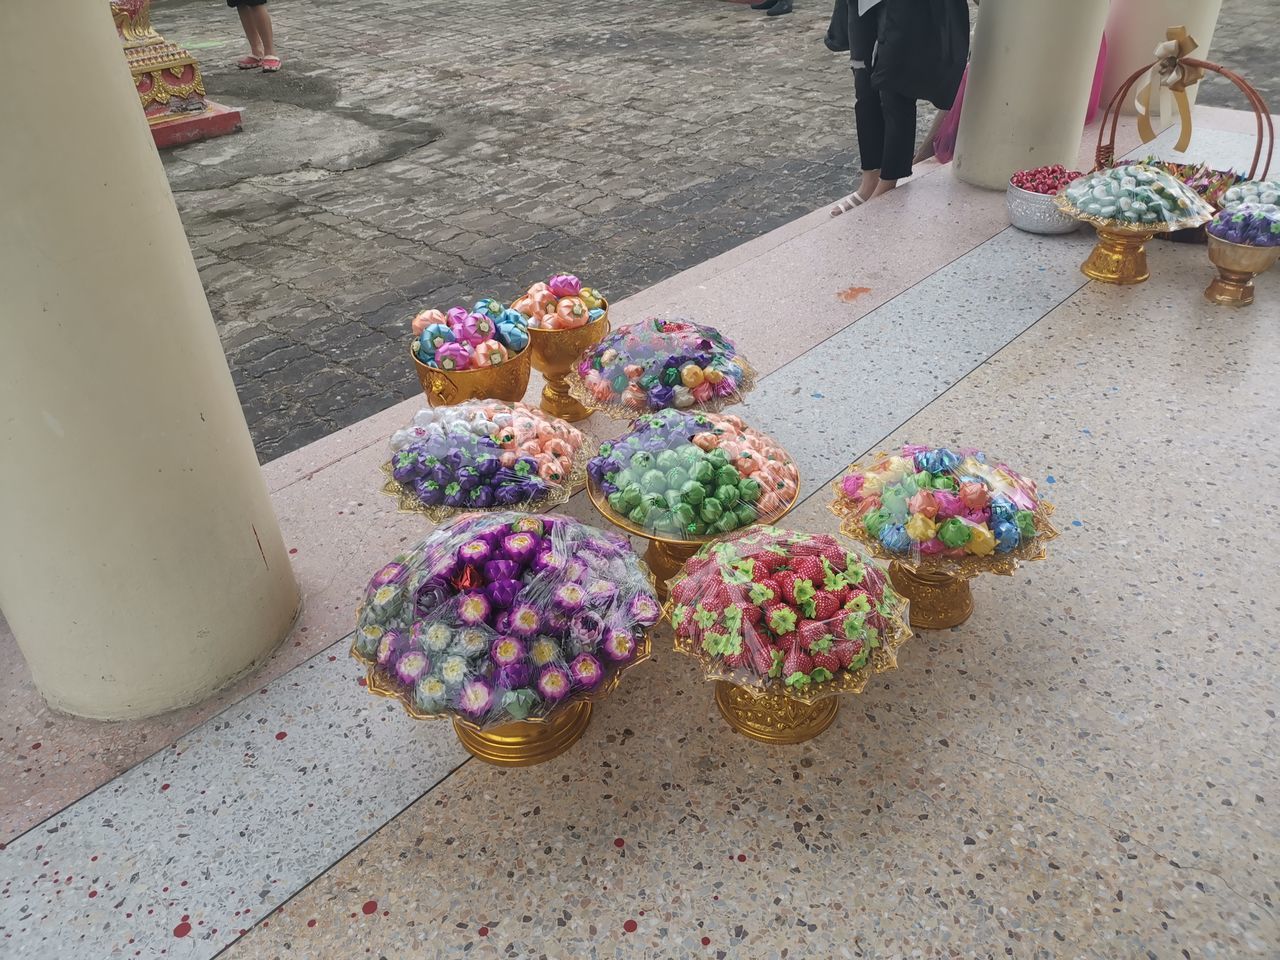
[1095,95]
[944,141]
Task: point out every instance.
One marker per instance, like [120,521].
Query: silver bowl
[1036,212]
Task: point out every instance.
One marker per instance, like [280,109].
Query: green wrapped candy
[639,515]
[655,501]
[703,471]
[619,383]
[617,503]
[727,493]
[745,513]
[954,532]
[924,480]
[696,529]
[672,499]
[676,478]
[1026,521]
[717,458]
[710,510]
[641,461]
[688,454]
[693,493]
[648,381]
[727,476]
[670,376]
[875,520]
[632,495]
[727,523]
[683,515]
[653,481]
[943,483]
[749,490]
[895,502]
[666,460]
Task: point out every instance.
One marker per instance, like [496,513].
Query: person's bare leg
[250,27]
[262,23]
[868,184]
[926,149]
[883,187]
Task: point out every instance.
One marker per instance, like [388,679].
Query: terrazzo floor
[1083,769]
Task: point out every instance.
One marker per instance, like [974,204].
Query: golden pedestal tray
[554,354]
[507,381]
[1237,265]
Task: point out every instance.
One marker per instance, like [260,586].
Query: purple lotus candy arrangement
[502,617]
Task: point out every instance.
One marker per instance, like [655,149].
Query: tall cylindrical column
[1029,80]
[141,565]
[1134,27]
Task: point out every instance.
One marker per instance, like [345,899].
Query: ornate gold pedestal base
[772,718]
[937,602]
[557,401]
[665,560]
[1118,257]
[528,742]
[1237,265]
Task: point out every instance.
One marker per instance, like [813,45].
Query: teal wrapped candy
[894,501]
[875,521]
[895,538]
[514,336]
[594,315]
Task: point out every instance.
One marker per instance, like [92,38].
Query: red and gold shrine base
[168,81]
[938,601]
[526,742]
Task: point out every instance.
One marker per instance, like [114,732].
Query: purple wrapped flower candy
[407,466]
[576,570]
[507,651]
[510,493]
[553,684]
[619,645]
[390,647]
[644,609]
[661,397]
[521,547]
[480,497]
[503,593]
[501,570]
[474,608]
[391,573]
[525,620]
[569,597]
[564,285]
[549,561]
[601,593]
[411,666]
[429,492]
[588,626]
[514,675]
[476,697]
[475,551]
[586,671]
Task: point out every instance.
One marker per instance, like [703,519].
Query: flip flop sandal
[270,64]
[249,63]
[846,204]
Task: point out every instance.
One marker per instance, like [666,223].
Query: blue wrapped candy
[937,461]
[594,315]
[489,307]
[432,338]
[1002,508]
[1007,535]
[895,538]
[514,336]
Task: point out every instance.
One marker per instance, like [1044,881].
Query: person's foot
[270,64]
[883,187]
[251,62]
[779,8]
[764,4]
[867,185]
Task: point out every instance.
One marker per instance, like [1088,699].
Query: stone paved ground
[421,152]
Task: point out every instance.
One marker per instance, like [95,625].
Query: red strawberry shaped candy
[808,568]
[796,661]
[761,657]
[826,661]
[762,591]
[768,562]
[823,605]
[786,581]
[737,660]
[779,617]
[846,651]
[716,598]
[752,614]
[809,632]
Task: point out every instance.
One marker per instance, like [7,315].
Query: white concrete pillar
[1134,27]
[141,566]
[1030,75]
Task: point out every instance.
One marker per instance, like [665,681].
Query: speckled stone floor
[1083,769]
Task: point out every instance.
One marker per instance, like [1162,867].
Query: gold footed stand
[938,601]
[526,742]
[665,558]
[554,354]
[1118,257]
[507,381]
[773,717]
[1237,265]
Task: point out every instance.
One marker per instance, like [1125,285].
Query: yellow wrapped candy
[712,376]
[691,375]
[872,483]
[921,528]
[982,541]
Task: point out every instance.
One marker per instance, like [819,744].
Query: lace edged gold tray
[1123,227]
[619,411]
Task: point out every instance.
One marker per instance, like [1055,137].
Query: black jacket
[917,48]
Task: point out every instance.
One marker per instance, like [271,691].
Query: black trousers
[886,124]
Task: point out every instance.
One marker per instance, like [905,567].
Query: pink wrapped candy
[425,319]
[564,285]
[475,328]
[490,353]
[453,356]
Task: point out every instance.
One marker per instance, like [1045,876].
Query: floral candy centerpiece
[1252,191]
[1244,241]
[942,517]
[458,353]
[1128,205]
[659,364]
[510,625]
[565,318]
[784,622]
[481,455]
[679,479]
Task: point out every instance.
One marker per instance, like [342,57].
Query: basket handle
[1105,152]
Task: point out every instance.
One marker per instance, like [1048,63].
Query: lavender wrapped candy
[411,666]
[586,671]
[514,675]
[521,547]
[525,620]
[390,647]
[480,498]
[619,645]
[503,593]
[475,699]
[475,551]
[507,651]
[644,609]
[474,608]
[501,570]
[569,597]
[429,492]
[553,684]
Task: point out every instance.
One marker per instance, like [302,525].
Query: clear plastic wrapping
[658,365]
[484,454]
[1251,224]
[787,612]
[1252,191]
[503,617]
[486,335]
[562,303]
[1134,197]
[685,476]
[944,510]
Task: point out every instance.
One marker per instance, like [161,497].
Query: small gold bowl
[507,381]
[554,354]
[1237,265]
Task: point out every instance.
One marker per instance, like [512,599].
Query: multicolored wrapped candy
[1134,197]
[787,612]
[484,455]
[562,303]
[660,365]
[944,508]
[1252,191]
[1212,185]
[486,335]
[1251,224]
[691,475]
[492,619]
